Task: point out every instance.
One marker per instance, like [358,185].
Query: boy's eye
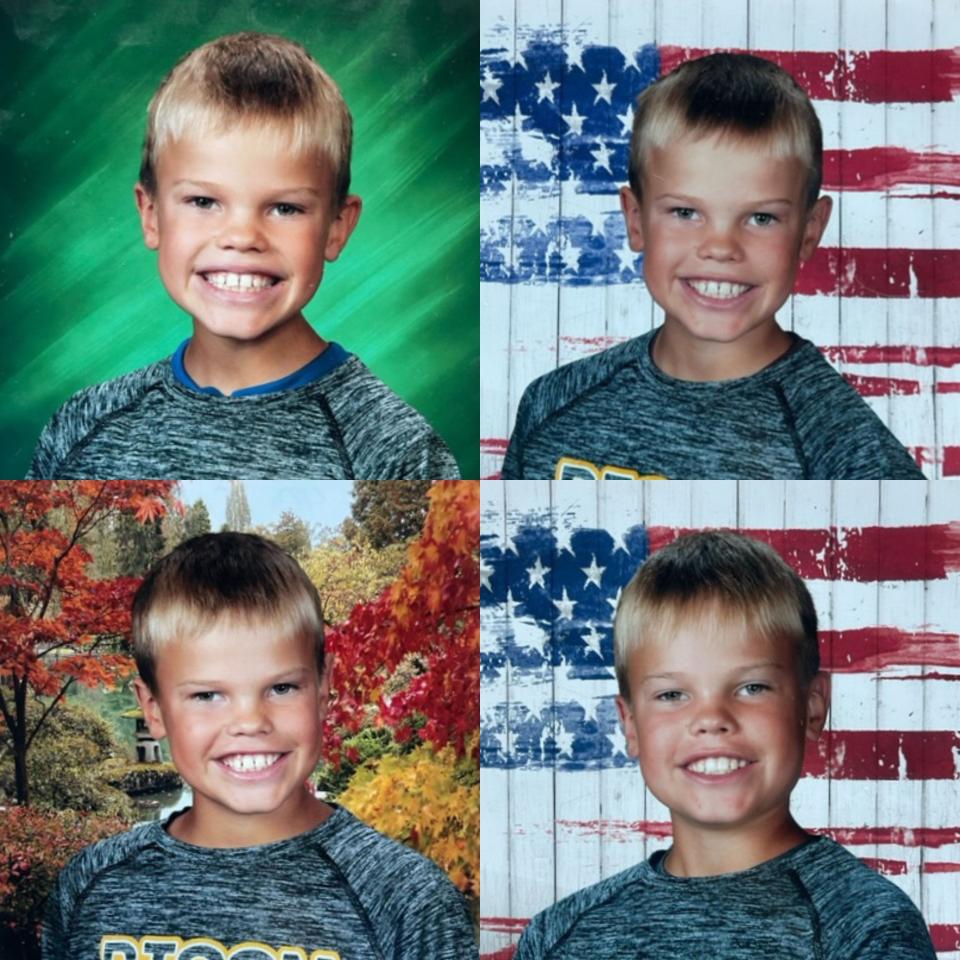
[204,696]
[764,219]
[683,213]
[669,696]
[752,689]
[288,209]
[282,688]
[201,203]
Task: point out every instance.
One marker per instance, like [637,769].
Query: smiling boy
[228,639]
[715,646]
[723,202]
[244,194]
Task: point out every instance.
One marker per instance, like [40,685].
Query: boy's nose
[720,244]
[241,232]
[713,719]
[249,717]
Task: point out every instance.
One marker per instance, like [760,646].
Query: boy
[723,202]
[243,192]
[715,647]
[228,639]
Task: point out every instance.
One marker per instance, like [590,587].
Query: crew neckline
[331,357]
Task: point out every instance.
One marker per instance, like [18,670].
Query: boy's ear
[151,709]
[342,227]
[818,705]
[817,218]
[629,726]
[325,681]
[147,207]
[631,214]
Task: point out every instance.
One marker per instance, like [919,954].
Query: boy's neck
[685,357]
[205,825]
[706,853]
[230,364]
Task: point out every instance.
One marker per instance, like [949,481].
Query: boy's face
[242,710]
[723,227]
[243,229]
[718,721]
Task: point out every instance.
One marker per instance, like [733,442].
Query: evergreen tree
[238,510]
[197,520]
[293,534]
[388,511]
[139,545]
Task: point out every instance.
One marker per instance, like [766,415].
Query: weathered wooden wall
[557,279]
[562,805]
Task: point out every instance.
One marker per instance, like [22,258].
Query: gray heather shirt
[339,892]
[346,425]
[815,902]
[797,418]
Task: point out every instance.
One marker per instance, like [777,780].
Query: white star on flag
[604,90]
[594,572]
[536,574]
[485,573]
[490,85]
[601,156]
[574,121]
[565,605]
[593,638]
[614,601]
[545,88]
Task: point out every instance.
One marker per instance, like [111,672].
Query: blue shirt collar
[331,358]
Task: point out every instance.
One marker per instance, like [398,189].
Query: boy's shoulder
[386,437]
[79,415]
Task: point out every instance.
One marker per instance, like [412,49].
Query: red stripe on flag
[878,272]
[893,353]
[937,866]
[494,445]
[866,554]
[884,755]
[875,648]
[886,867]
[869,76]
[948,387]
[503,924]
[951,461]
[945,936]
[850,836]
[879,168]
[882,386]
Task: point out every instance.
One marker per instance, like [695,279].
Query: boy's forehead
[719,161]
[252,155]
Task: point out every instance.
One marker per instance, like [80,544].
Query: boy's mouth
[250,762]
[717,766]
[717,291]
[224,280]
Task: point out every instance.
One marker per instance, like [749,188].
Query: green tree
[293,534]
[197,520]
[238,510]
[139,545]
[388,511]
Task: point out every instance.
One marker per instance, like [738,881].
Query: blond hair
[730,94]
[222,575]
[247,77]
[716,572]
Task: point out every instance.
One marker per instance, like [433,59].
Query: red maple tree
[59,625]
[429,615]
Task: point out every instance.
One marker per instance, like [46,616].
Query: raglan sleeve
[437,925]
[43,466]
[904,937]
[53,936]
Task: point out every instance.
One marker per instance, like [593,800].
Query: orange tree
[409,661]
[59,625]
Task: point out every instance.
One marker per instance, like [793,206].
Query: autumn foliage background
[402,740]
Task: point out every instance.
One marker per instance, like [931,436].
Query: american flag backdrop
[562,804]
[558,79]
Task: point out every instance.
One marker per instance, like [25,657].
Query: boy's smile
[723,227]
[243,712]
[243,228]
[718,721]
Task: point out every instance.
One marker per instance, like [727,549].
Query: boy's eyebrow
[214,187]
[693,201]
[746,668]
[293,672]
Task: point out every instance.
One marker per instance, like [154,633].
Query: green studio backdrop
[80,296]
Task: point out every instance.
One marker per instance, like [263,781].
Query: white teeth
[717,765]
[239,281]
[717,289]
[244,762]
